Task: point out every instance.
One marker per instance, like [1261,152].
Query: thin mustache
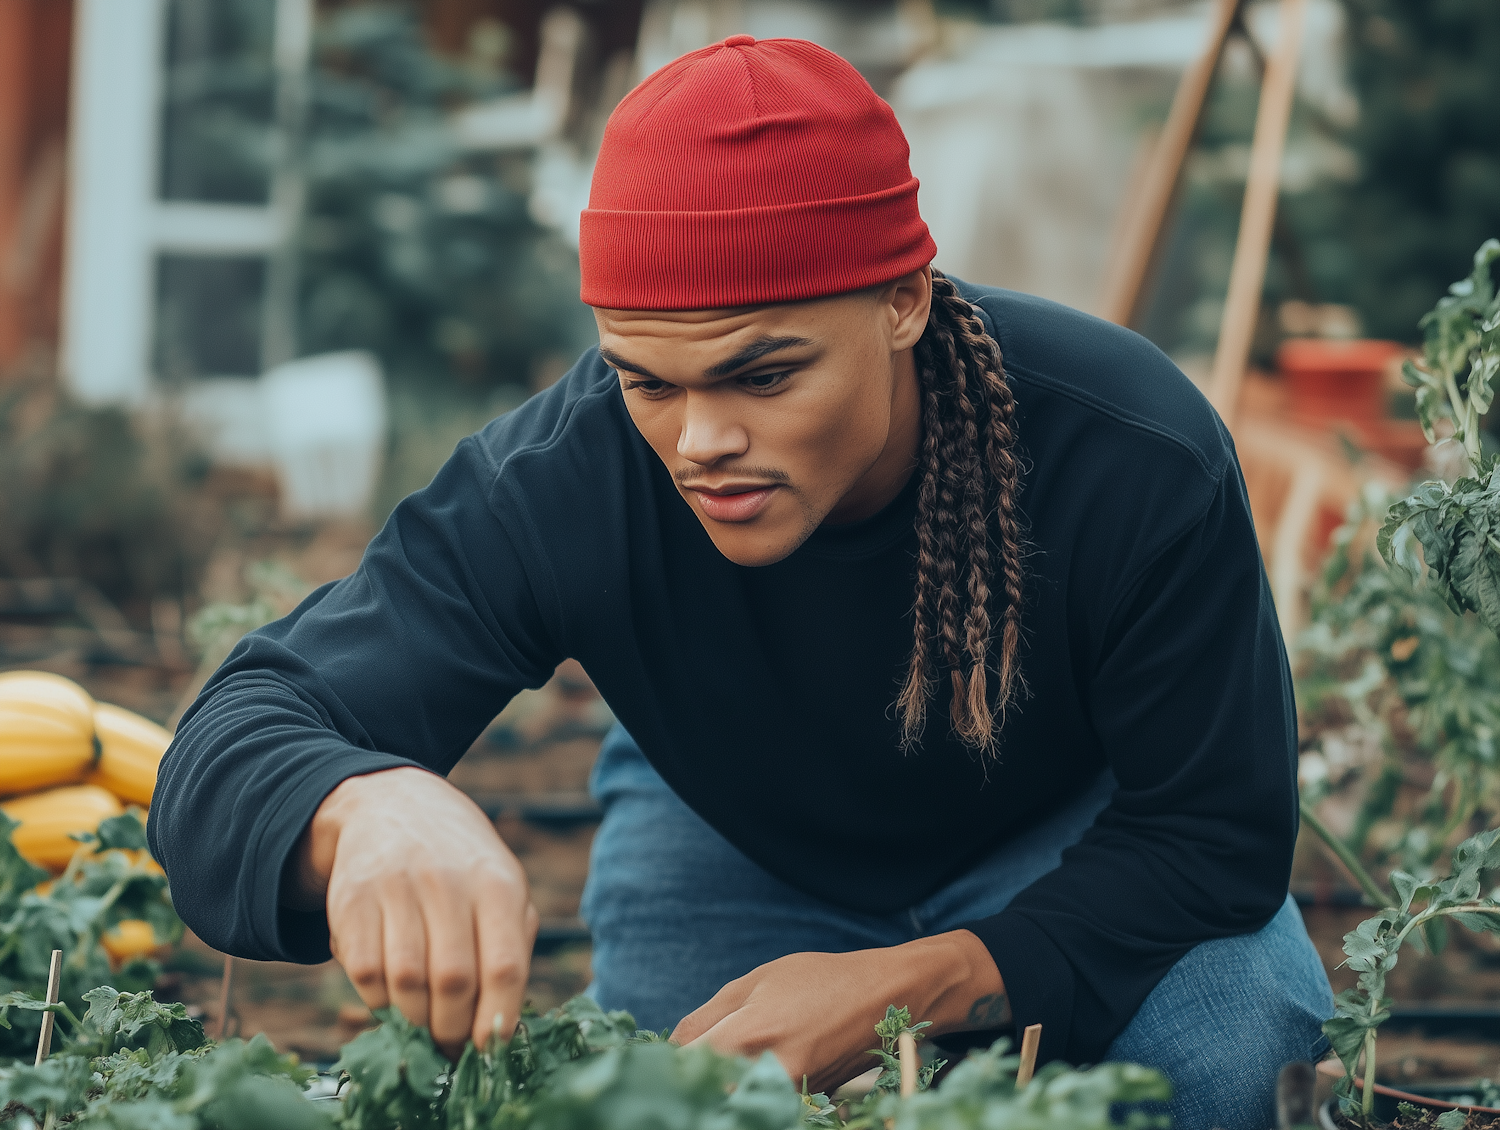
[687,476]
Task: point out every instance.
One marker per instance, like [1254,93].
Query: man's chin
[751,545]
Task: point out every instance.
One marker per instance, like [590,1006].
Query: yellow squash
[46,731]
[131,749]
[128,939]
[48,818]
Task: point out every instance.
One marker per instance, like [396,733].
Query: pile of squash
[67,763]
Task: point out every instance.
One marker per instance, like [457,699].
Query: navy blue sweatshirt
[1151,647]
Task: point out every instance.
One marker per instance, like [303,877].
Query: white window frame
[118,224]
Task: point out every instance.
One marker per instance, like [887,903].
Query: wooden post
[54,976]
[1258,217]
[1138,249]
[1030,1040]
[906,1046]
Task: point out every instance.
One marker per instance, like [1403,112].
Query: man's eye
[764,382]
[649,388]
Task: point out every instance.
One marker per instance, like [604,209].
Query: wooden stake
[54,976]
[225,984]
[910,1061]
[1030,1040]
[1142,230]
[1247,276]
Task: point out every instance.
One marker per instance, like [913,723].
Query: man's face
[775,419]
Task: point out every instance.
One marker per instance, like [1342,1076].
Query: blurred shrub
[412,248]
[409,246]
[96,494]
[1427,75]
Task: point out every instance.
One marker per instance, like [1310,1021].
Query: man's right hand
[427,909]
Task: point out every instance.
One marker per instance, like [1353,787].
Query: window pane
[219,102]
[208,316]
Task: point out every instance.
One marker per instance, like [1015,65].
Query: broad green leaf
[394,1075]
[1435,933]
[1406,886]
[124,833]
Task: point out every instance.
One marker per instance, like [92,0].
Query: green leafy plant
[897,1021]
[1420,666]
[133,1063]
[115,882]
[980,1094]
[1386,658]
[1374,946]
[1457,526]
[1441,543]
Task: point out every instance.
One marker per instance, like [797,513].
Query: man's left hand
[817,1011]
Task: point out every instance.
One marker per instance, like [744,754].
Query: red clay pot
[1387,1097]
[1336,380]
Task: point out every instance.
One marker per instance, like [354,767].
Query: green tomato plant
[1420,915]
[1458,525]
[1386,660]
[1440,543]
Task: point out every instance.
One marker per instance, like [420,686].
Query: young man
[941,684]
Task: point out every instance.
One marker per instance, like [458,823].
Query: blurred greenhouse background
[263,262]
[194,192]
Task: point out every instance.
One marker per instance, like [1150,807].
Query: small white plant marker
[906,1046]
[1030,1040]
[54,975]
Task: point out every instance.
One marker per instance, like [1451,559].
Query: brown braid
[966,502]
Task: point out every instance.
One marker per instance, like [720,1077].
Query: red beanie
[749,173]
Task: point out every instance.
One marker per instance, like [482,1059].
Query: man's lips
[733,503]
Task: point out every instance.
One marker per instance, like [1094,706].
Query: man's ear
[909,302]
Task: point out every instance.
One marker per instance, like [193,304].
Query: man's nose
[709,431]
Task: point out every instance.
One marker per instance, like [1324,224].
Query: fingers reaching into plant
[504,960]
[814,1010]
[428,911]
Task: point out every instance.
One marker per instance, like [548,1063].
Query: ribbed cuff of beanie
[682,260]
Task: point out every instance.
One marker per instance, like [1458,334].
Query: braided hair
[966,510]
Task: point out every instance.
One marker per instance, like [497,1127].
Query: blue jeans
[677,912]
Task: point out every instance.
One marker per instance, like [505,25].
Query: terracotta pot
[1386,1098]
[1336,380]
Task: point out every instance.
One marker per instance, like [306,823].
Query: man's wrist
[961,988]
[306,883]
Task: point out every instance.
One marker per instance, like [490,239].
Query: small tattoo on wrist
[991,1011]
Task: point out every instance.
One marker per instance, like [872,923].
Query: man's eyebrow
[616,361]
[753,352]
[757,349]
